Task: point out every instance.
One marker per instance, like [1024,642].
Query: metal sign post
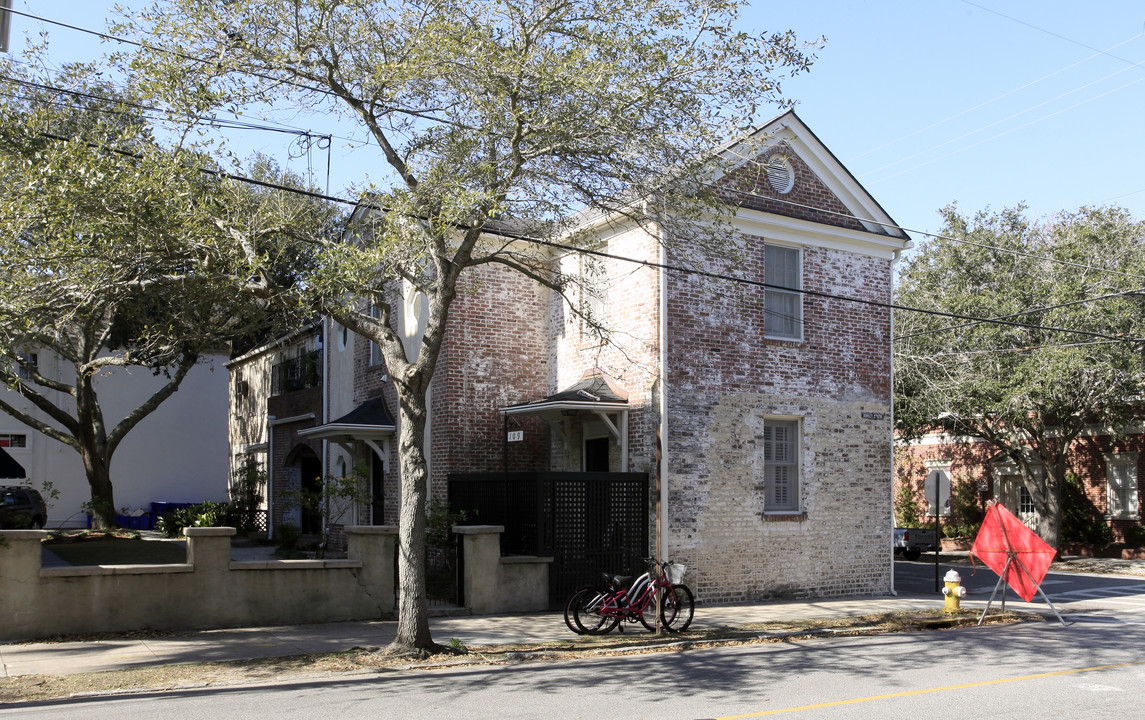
[937,532]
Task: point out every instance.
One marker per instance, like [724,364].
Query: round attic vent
[780,174]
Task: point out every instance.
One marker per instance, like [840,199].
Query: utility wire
[156,113]
[1054,34]
[787,202]
[992,100]
[964,326]
[1007,351]
[167,51]
[598,253]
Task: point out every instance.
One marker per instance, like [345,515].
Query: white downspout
[663,469]
[891,548]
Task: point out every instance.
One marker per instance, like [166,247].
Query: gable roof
[789,132]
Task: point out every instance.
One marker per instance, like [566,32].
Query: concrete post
[209,548]
[20,580]
[374,546]
[481,548]
[209,552]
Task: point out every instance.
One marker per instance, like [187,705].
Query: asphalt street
[1092,667]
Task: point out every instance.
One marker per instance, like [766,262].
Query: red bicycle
[594,611]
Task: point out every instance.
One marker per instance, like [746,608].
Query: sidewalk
[67,658]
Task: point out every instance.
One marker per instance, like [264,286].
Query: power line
[1007,351]
[788,202]
[1053,34]
[938,236]
[584,251]
[156,112]
[1024,312]
[169,51]
[992,100]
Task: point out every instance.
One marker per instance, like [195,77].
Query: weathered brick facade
[701,344]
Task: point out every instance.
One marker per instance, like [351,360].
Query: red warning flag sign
[1004,536]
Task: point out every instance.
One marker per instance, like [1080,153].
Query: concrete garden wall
[212,591]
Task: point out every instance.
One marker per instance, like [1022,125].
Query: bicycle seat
[617,580]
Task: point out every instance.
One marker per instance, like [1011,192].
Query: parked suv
[21,508]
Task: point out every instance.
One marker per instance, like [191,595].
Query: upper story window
[30,362]
[783,303]
[13,441]
[375,350]
[304,370]
[594,302]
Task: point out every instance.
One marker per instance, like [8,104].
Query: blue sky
[927,102]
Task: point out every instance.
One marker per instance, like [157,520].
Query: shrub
[966,515]
[1081,521]
[246,496]
[1135,536]
[288,535]
[908,509]
[207,514]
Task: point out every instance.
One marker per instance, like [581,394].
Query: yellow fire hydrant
[953,591]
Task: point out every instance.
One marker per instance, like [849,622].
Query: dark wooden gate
[589,522]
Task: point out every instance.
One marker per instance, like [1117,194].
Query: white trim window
[13,440]
[1121,480]
[781,466]
[595,285]
[375,351]
[782,301]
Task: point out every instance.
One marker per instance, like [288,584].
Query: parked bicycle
[595,611]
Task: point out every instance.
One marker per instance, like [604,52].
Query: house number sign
[516,435]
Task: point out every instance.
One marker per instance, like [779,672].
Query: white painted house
[176,454]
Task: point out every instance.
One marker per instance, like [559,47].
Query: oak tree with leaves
[1066,355]
[98,223]
[489,120]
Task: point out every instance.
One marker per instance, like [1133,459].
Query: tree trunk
[413,636]
[102,494]
[1048,503]
[94,451]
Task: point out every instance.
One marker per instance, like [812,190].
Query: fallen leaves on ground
[166,678]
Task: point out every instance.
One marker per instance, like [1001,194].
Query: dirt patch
[25,688]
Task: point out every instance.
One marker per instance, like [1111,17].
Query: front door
[311,468]
[1012,493]
[596,454]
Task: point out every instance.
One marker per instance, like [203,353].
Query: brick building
[761,414]
[1107,466]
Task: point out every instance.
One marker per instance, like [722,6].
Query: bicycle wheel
[677,607]
[568,609]
[647,614]
[588,612]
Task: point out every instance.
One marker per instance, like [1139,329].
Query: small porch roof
[595,392]
[369,423]
[368,420]
[9,468]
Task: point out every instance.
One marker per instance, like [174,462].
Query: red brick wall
[972,463]
[809,199]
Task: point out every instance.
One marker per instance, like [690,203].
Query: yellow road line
[932,690]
